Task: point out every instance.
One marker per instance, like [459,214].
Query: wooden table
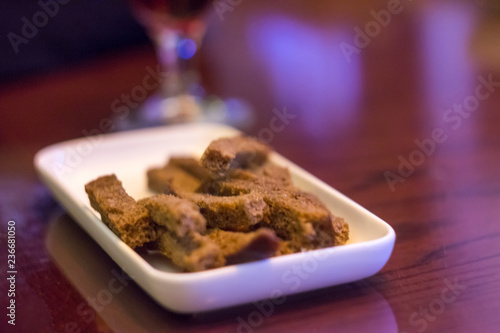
[406,124]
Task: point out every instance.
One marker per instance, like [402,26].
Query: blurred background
[334,65]
[337,66]
[78,31]
[284,46]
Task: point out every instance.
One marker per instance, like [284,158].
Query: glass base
[158,111]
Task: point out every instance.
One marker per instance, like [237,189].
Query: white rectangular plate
[66,167]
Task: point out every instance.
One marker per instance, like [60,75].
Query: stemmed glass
[176,28]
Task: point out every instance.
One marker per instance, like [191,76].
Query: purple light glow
[308,70]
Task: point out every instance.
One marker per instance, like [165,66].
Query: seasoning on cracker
[233,213]
[120,212]
[238,152]
[179,216]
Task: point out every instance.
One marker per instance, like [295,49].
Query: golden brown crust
[180,174]
[190,165]
[171,180]
[239,247]
[177,215]
[300,219]
[193,252]
[341,230]
[296,216]
[238,152]
[120,212]
[233,213]
[182,241]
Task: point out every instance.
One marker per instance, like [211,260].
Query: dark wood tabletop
[396,106]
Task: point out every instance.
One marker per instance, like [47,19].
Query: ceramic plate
[66,167]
